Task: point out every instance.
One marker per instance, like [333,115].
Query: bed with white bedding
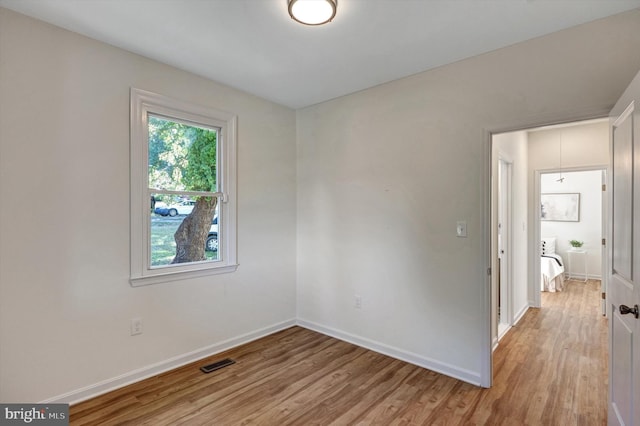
[551,273]
[551,266]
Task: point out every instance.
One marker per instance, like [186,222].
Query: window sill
[180,275]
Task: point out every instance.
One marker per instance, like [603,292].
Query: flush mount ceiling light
[313,12]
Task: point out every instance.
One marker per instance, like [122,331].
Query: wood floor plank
[235,388]
[550,369]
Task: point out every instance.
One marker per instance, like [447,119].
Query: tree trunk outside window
[192,233]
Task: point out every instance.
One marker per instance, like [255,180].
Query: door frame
[535,295]
[504,202]
[486,345]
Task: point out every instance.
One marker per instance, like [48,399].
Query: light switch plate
[461,229]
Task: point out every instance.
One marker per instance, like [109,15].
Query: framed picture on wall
[560,207]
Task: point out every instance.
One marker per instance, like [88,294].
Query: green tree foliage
[181,157]
[200,170]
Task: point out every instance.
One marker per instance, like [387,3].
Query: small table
[579,253]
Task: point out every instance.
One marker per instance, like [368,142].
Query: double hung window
[183,160]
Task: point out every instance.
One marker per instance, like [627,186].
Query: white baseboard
[581,277]
[520,314]
[114,383]
[131,377]
[502,330]
[430,364]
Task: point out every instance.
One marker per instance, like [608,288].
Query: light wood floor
[551,369]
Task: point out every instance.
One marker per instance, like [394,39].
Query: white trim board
[579,277]
[412,358]
[518,316]
[135,376]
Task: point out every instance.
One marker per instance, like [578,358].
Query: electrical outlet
[136,326]
[358,301]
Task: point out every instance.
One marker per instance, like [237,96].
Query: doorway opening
[571,224]
[519,160]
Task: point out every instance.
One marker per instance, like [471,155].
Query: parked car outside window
[183,208]
[212,238]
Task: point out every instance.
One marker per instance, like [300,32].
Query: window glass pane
[182,157]
[168,212]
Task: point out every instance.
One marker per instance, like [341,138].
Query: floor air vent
[217,365]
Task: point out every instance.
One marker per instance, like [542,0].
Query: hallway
[551,368]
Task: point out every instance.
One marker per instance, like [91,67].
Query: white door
[504,247]
[624,261]
[605,250]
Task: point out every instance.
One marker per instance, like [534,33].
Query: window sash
[221,243]
[187,193]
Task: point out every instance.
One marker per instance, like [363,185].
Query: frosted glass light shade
[313,12]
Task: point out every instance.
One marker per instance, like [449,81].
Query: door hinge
[604,187]
[488,271]
[604,241]
[604,296]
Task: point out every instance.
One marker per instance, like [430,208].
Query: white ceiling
[254,45]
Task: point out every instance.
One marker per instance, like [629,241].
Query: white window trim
[144,103]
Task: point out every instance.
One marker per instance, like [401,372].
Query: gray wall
[65,298]
[384,174]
